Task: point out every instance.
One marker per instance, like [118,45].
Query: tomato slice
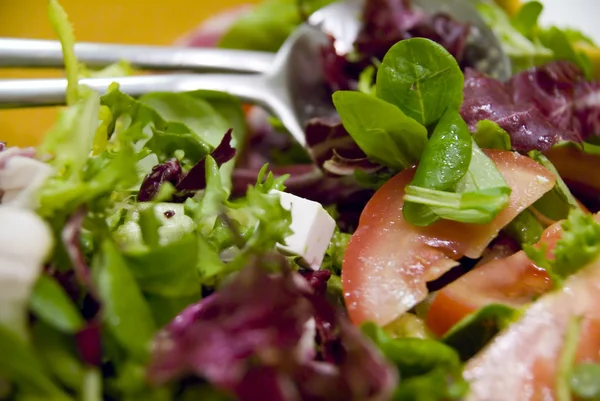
[388,261]
[521,362]
[514,281]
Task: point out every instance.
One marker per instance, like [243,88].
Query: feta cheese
[25,242]
[313,228]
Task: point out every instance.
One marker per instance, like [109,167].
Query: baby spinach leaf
[490,135]
[556,203]
[125,311]
[525,228]
[59,356]
[444,162]
[585,381]
[473,332]
[50,303]
[381,129]
[421,78]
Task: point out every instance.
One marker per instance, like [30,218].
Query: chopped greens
[578,246]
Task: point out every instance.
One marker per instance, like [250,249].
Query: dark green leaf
[20,364]
[473,332]
[50,303]
[125,310]
[430,370]
[490,135]
[57,352]
[165,309]
[436,385]
[444,162]
[556,203]
[381,129]
[421,78]
[413,356]
[525,228]
[585,381]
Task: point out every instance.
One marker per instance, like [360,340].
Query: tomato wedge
[521,362]
[388,261]
[514,281]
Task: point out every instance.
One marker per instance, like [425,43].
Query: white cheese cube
[313,228]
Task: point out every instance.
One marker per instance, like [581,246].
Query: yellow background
[121,21]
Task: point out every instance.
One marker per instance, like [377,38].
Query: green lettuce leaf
[578,246]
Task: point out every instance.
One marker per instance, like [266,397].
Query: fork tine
[48,53]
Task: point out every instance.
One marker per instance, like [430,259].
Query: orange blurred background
[121,21]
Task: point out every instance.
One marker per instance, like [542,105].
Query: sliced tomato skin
[514,281]
[521,363]
[388,262]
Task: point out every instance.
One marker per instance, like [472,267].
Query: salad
[142,242]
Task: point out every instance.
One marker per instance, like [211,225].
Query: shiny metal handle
[48,53]
[51,92]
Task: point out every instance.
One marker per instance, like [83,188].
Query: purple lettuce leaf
[256,339]
[194,180]
[535,107]
[71,237]
[169,171]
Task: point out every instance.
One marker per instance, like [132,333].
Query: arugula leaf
[474,331]
[408,325]
[578,246]
[64,30]
[585,381]
[381,129]
[269,24]
[421,78]
[557,203]
[126,313]
[58,355]
[366,81]
[50,303]
[490,135]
